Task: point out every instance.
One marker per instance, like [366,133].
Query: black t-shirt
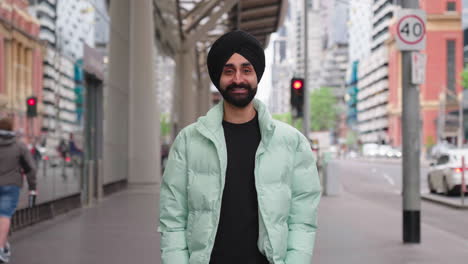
[236,239]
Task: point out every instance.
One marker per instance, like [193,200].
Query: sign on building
[411,29]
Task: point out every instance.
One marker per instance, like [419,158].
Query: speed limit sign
[411,29]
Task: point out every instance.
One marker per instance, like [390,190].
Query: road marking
[389,179]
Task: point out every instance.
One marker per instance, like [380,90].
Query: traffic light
[297,96]
[31,106]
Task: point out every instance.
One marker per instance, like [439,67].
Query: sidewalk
[122,230]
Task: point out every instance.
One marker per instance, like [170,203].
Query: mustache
[238,85]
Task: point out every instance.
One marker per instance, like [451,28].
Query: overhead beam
[259,23]
[200,33]
[179,20]
[253,4]
[201,13]
[259,12]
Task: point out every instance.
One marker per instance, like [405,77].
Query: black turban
[235,42]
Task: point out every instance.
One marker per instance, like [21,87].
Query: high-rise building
[297,47]
[65,26]
[60,116]
[45,12]
[165,78]
[281,73]
[334,62]
[75,27]
[289,54]
[359,27]
[373,73]
[359,30]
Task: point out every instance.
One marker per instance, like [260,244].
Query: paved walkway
[122,230]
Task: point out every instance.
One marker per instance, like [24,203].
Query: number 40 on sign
[411,29]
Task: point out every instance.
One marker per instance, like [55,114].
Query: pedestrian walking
[239,187]
[15,159]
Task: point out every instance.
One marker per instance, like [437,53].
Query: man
[239,187]
[15,158]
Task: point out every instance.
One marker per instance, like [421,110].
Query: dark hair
[6,124]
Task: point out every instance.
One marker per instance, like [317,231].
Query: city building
[373,85]
[101,28]
[465,30]
[334,59]
[75,27]
[21,54]
[281,73]
[165,78]
[61,116]
[351,97]
[359,28]
[444,50]
[297,47]
[45,13]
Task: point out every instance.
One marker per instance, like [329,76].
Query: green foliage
[286,117]
[165,125]
[323,110]
[351,138]
[430,142]
[297,123]
[464,77]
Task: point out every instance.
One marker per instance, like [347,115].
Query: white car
[445,175]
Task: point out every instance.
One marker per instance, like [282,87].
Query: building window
[451,65]
[451,6]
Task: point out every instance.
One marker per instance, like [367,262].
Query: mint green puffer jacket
[286,179]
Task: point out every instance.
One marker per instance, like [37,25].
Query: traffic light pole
[306,107]
[411,148]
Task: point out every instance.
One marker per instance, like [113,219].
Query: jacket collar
[211,124]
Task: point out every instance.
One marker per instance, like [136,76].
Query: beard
[238,100]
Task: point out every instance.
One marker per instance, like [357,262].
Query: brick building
[20,65]
[444,50]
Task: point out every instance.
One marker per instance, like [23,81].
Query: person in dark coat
[15,159]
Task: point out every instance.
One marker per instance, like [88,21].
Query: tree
[288,119]
[165,125]
[464,79]
[323,109]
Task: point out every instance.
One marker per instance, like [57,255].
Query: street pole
[411,148]
[442,101]
[306,107]
[461,129]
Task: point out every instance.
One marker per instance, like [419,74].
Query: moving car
[445,175]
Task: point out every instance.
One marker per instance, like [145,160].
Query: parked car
[393,153]
[376,150]
[445,174]
[370,150]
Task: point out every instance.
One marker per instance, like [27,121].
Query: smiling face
[238,83]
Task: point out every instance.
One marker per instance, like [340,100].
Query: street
[379,182]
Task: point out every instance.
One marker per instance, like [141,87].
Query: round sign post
[411,30]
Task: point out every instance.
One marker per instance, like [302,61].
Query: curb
[446,201]
[382,160]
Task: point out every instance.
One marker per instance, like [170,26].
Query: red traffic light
[32,101]
[297,84]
